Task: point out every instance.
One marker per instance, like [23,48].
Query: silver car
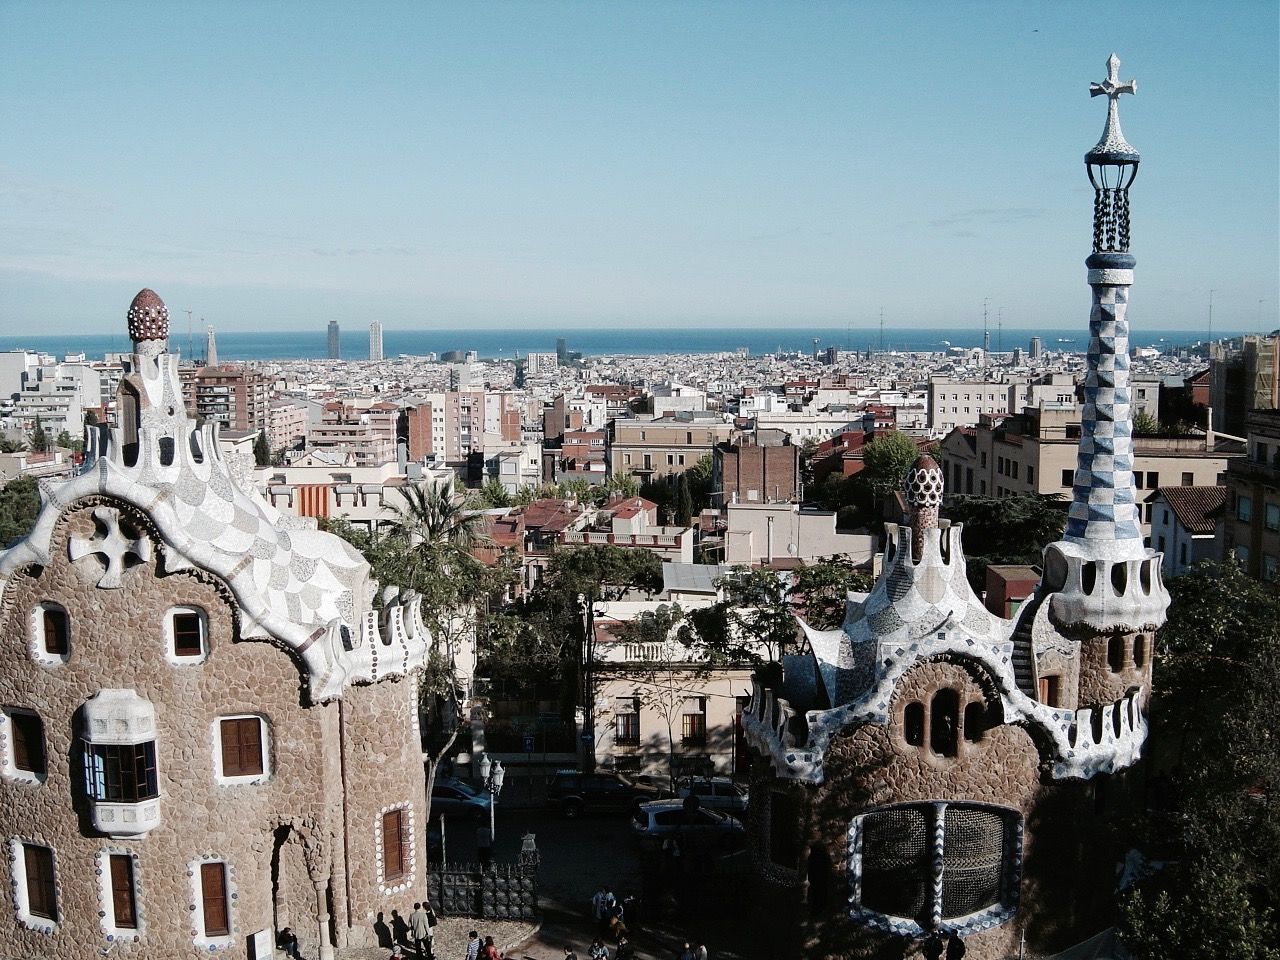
[714,793]
[661,820]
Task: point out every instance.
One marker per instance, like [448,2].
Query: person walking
[687,953]
[625,950]
[569,954]
[490,952]
[473,946]
[955,947]
[289,943]
[420,929]
[597,950]
[700,951]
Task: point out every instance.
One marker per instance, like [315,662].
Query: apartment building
[235,395]
[366,438]
[770,533]
[1251,514]
[1183,526]
[959,403]
[1035,452]
[667,447]
[56,395]
[286,424]
[759,467]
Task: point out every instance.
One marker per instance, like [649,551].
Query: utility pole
[986,331]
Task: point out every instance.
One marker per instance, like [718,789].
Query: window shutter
[241,747]
[395,850]
[126,915]
[28,742]
[42,895]
[213,896]
[55,632]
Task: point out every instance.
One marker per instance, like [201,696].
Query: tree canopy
[19,507]
[1006,529]
[1216,757]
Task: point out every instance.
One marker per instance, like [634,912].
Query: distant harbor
[617,341]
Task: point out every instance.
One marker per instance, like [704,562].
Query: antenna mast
[882,329]
[191,348]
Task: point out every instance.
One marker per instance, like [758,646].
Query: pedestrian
[289,943]
[569,954]
[598,951]
[490,952]
[687,953]
[420,929]
[625,950]
[955,947]
[701,951]
[473,946]
[932,948]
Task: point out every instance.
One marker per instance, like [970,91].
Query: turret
[1103,579]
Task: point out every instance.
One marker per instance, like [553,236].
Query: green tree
[885,461]
[262,450]
[700,479]
[8,445]
[19,507]
[1006,529]
[427,551]
[493,494]
[1145,425]
[1216,756]
[683,503]
[39,438]
[619,484]
[820,590]
[90,418]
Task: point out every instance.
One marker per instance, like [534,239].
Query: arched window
[130,419]
[944,722]
[913,723]
[1140,651]
[975,720]
[1115,654]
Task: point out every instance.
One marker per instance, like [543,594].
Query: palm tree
[433,516]
[12,446]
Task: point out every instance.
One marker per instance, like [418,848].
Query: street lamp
[491,775]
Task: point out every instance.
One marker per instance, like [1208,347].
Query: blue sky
[659,164]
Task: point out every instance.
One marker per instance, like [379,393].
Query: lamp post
[491,775]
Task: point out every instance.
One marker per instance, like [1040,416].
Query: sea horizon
[505,344]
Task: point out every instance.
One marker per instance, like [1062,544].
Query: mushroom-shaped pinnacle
[148,317]
[923,485]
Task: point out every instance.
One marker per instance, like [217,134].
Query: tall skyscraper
[335,343]
[375,340]
[1037,348]
[210,349]
[562,348]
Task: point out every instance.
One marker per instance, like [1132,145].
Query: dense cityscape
[921,649]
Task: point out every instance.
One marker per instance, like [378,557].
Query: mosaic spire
[1104,510]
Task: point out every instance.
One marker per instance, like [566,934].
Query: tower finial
[1112,166]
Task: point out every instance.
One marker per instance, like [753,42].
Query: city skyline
[669,166]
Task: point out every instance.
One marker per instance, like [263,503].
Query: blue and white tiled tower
[1101,571]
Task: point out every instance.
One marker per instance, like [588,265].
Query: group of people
[611,914]
[476,949]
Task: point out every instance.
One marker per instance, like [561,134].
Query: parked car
[659,781]
[577,793]
[714,793]
[454,798]
[660,820]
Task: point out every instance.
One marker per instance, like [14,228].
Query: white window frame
[21,898]
[106,896]
[170,650]
[38,651]
[8,763]
[264,738]
[201,941]
[399,883]
[1000,912]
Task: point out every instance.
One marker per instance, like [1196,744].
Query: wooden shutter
[42,895]
[28,742]
[395,845]
[55,632]
[186,635]
[241,747]
[122,902]
[213,896]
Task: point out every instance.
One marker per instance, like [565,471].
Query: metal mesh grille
[973,859]
[897,861]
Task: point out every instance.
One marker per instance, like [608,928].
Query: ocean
[504,344]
